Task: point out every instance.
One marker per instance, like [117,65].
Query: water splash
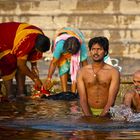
[124,113]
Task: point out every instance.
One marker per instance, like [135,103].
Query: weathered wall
[119,20]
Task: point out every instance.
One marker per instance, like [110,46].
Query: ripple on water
[62,119]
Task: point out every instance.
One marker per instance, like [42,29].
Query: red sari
[17,41]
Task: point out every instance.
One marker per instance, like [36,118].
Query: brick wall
[119,20]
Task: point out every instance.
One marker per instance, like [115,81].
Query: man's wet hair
[102,41]
[72,45]
[42,43]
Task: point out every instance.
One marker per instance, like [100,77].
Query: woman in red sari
[19,43]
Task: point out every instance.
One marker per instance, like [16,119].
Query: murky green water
[59,120]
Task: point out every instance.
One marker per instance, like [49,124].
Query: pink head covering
[75,59]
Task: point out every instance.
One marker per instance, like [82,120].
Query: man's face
[136,81]
[97,53]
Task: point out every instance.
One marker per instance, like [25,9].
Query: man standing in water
[98,83]
[132,97]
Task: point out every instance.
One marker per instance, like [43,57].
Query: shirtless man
[98,83]
[132,97]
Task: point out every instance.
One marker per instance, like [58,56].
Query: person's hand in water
[38,84]
[48,84]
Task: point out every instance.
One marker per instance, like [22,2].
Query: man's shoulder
[85,68]
[111,68]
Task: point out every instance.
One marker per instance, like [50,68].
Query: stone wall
[119,20]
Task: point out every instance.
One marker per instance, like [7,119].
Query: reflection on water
[47,119]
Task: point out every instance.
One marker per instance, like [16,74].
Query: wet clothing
[95,111]
[68,63]
[17,41]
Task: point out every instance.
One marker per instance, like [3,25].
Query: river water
[42,119]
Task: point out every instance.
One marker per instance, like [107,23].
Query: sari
[17,42]
[68,63]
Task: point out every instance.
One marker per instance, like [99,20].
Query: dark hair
[102,41]
[42,43]
[72,45]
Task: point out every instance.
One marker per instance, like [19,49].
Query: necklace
[95,73]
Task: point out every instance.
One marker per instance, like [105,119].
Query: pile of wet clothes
[69,96]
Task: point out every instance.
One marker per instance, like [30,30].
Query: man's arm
[83,96]
[138,105]
[127,99]
[113,91]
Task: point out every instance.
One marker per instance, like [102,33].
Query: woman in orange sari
[19,43]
